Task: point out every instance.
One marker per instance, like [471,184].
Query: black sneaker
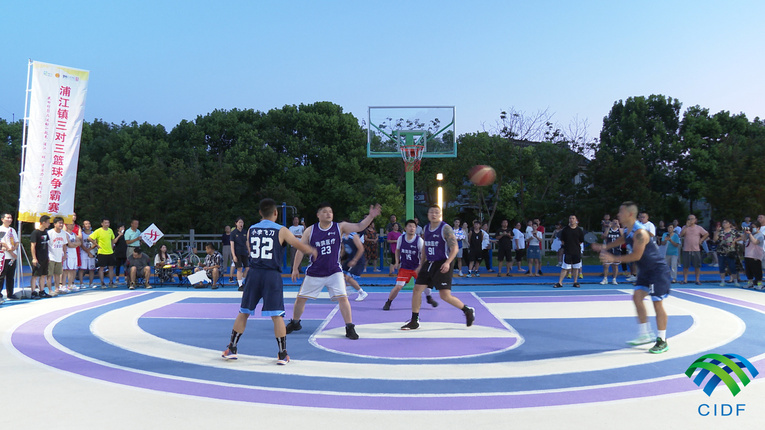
[241,288]
[413,324]
[527,272]
[539,272]
[557,285]
[283,359]
[576,285]
[44,295]
[386,306]
[469,316]
[659,347]
[35,295]
[432,301]
[293,326]
[350,331]
[229,353]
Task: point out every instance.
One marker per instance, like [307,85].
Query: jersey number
[261,247]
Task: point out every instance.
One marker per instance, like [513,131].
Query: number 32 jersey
[266,252]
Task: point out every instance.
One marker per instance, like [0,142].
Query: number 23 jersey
[266,252]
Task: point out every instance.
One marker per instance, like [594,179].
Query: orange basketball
[482,175]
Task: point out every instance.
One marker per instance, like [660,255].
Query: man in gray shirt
[138,266]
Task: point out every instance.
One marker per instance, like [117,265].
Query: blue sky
[164,61]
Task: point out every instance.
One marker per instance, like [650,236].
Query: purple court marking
[551,299]
[415,348]
[724,299]
[229,311]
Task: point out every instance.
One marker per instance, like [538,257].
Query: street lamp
[440,193]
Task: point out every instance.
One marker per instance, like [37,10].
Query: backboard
[388,127]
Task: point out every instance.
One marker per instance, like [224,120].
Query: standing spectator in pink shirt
[693,235]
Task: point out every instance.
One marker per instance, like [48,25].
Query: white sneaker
[736,284]
[604,281]
[614,282]
[643,339]
[722,284]
[362,295]
[633,278]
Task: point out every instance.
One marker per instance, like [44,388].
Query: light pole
[440,193]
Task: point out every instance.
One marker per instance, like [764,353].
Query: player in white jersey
[87,253]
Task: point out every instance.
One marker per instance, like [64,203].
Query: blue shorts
[656,292]
[267,285]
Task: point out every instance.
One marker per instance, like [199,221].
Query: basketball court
[534,357]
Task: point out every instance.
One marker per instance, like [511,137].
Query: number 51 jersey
[266,252]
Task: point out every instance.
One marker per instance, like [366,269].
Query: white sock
[643,328]
[663,334]
[428,291]
[240,282]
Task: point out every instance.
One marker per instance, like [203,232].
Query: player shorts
[41,269]
[55,268]
[658,292]
[87,263]
[241,261]
[692,258]
[70,263]
[430,275]
[356,270]
[572,261]
[312,286]
[533,253]
[106,260]
[505,254]
[267,285]
[476,255]
[404,275]
[519,254]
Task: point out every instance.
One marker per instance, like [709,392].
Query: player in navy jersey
[408,252]
[352,254]
[265,241]
[653,279]
[325,270]
[438,253]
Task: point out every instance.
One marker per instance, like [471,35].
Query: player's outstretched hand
[597,247]
[375,210]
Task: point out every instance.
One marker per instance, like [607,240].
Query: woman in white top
[161,260]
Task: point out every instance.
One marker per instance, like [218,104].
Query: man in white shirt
[296,229]
[519,243]
[9,241]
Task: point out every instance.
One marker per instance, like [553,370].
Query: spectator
[225,243]
[211,265]
[137,267]
[486,247]
[120,253]
[391,222]
[612,235]
[459,234]
[746,223]
[418,230]
[671,240]
[161,260]
[572,238]
[693,235]
[605,224]
[519,243]
[70,263]
[9,241]
[104,240]
[541,229]
[504,239]
[239,251]
[57,242]
[132,238]
[371,246]
[466,246]
[533,239]
[475,238]
[87,253]
[556,244]
[392,239]
[753,254]
[660,230]
[39,247]
[724,238]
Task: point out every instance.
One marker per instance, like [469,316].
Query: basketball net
[412,155]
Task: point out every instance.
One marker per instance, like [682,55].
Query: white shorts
[312,286]
[70,263]
[87,263]
[566,266]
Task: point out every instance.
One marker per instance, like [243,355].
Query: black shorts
[263,284]
[106,260]
[356,270]
[241,261]
[520,254]
[476,255]
[430,275]
[41,269]
[505,254]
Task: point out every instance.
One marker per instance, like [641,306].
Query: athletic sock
[663,334]
[235,337]
[643,328]
[282,342]
[415,316]
[465,308]
[428,291]
[240,282]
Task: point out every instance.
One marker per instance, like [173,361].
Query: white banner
[56,113]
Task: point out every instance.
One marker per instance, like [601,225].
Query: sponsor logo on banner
[151,235]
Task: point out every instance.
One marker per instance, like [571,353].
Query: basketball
[482,175]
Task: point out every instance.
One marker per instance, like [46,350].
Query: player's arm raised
[346,227]
[451,242]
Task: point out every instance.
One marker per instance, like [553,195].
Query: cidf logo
[722,367]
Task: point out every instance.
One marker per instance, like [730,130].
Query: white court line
[712,328]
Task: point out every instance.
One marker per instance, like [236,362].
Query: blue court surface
[536,357]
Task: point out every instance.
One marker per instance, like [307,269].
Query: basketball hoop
[412,155]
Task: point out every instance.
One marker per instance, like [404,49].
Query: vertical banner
[56,113]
